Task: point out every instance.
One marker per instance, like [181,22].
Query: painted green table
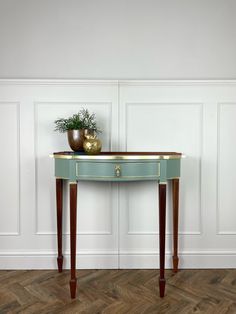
[118,167]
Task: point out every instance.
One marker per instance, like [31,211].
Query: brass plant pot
[92,145]
[76,139]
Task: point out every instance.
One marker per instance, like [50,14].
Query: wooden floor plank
[118,291]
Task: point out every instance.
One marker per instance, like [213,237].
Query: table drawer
[117,171]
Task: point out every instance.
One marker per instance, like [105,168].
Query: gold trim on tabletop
[117,157]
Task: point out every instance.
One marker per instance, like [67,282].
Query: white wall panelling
[41,103]
[226,175]
[10,169]
[118,224]
[96,198]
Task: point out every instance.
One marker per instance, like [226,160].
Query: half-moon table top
[118,155]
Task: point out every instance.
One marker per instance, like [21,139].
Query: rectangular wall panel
[166,127]
[226,213]
[9,169]
[94,199]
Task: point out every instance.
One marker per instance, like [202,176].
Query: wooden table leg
[162,230]
[175,196]
[59,193]
[73,205]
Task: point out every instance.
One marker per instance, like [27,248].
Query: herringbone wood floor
[118,291]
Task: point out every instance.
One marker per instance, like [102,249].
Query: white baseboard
[111,260]
[48,260]
[187,260]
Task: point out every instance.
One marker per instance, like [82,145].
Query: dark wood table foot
[162,284]
[73,205]
[175,197]
[73,286]
[162,230]
[175,261]
[59,263]
[59,193]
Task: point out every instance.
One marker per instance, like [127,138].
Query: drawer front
[116,171]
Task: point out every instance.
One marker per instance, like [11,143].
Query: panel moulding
[218,231]
[18,211]
[36,104]
[127,104]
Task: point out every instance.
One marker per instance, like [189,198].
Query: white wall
[118,224]
[141,39]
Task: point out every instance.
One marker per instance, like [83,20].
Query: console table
[118,167]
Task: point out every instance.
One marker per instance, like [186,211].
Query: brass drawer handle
[118,170]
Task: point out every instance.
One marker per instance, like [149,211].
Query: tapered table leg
[73,205]
[162,230]
[59,193]
[175,196]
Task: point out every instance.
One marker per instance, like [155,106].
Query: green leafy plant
[81,120]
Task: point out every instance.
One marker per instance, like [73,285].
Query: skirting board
[110,260]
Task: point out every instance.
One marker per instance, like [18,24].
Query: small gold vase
[92,145]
